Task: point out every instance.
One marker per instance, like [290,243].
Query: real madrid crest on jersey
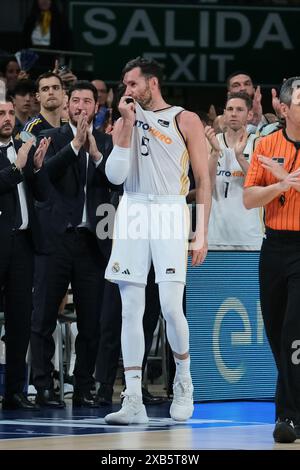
[115,268]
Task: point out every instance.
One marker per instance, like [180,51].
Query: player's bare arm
[193,132]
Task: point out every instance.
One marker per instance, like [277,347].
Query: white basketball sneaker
[182,406]
[132,412]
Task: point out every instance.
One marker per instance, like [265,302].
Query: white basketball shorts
[149,228]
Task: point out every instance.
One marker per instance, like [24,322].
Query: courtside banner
[231,357]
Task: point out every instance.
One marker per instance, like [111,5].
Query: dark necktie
[82,166]
[78,211]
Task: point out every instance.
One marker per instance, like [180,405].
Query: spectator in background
[51,96]
[44,27]
[19,184]
[103,113]
[241,81]
[11,72]
[75,163]
[23,95]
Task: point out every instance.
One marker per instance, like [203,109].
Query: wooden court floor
[214,426]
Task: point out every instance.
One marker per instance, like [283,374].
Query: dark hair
[287,89]
[234,74]
[4,64]
[8,98]
[242,95]
[149,68]
[48,75]
[83,85]
[23,87]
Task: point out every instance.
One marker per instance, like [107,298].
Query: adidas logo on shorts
[126,271]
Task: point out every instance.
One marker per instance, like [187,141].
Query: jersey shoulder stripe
[31,124]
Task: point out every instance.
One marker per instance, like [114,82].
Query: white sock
[183,367]
[133,379]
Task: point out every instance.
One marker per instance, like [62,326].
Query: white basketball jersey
[159,157]
[230,222]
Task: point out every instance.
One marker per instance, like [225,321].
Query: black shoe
[18,401]
[284,431]
[104,395]
[149,399]
[49,399]
[84,399]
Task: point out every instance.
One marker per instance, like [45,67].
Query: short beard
[146,101]
[74,123]
[5,136]
[52,108]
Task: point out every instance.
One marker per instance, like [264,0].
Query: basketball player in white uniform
[153,145]
[231,225]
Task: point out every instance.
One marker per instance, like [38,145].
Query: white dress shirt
[84,222]
[12,156]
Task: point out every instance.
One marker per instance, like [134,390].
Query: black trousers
[78,261]
[279,275]
[16,273]
[110,332]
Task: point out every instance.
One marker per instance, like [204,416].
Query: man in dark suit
[75,164]
[21,179]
